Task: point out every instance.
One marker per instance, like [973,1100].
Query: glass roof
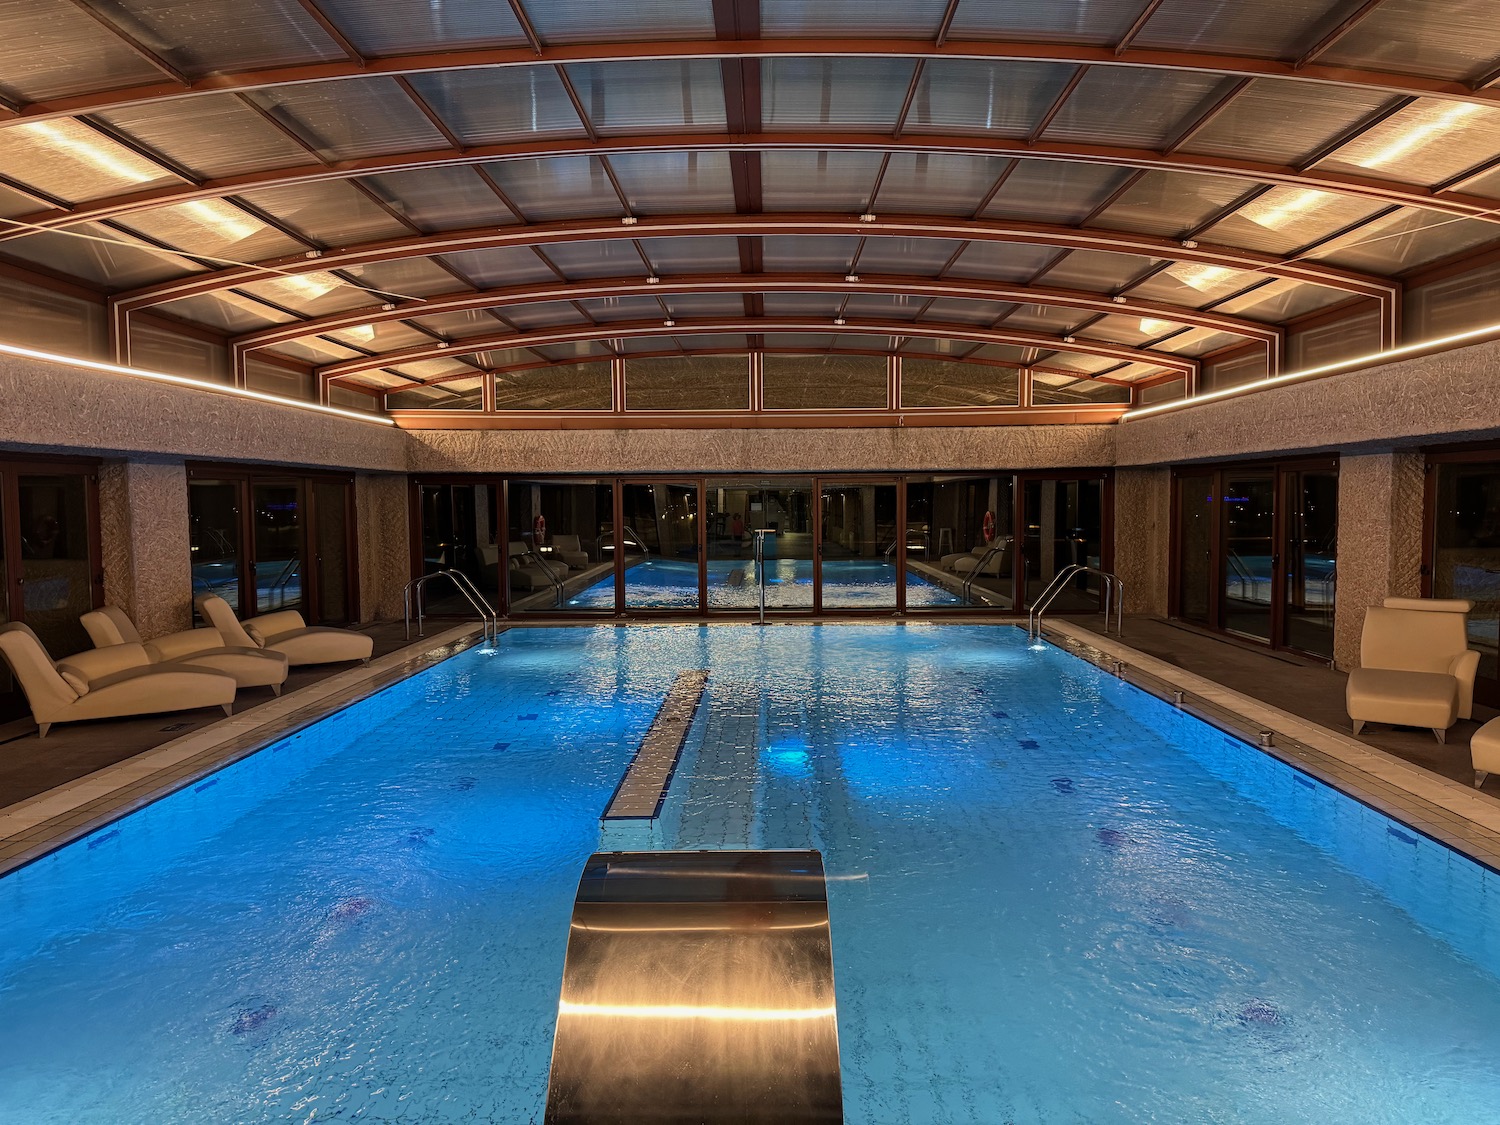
[1005,168]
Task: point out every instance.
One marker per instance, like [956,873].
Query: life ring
[539,530]
[989,527]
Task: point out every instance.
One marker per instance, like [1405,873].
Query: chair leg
[228,708]
[1359,725]
[275,689]
[42,729]
[1442,735]
[1479,776]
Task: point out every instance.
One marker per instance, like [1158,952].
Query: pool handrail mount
[1114,589]
[465,586]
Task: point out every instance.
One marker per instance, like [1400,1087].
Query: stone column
[380,502]
[1143,518]
[1379,543]
[143,523]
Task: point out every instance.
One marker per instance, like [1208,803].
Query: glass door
[1195,547]
[57,575]
[860,542]
[1250,555]
[215,521]
[331,551]
[277,528]
[658,543]
[560,546]
[1464,549]
[736,509]
[458,533]
[1310,501]
[1062,523]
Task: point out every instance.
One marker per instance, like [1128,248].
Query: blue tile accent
[206,785]
[1028,743]
[1400,835]
[110,835]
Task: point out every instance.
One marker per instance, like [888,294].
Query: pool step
[644,786]
[698,986]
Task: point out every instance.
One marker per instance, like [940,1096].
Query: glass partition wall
[686,546]
[1462,550]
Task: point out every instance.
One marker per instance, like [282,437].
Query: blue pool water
[1052,897]
[847,584]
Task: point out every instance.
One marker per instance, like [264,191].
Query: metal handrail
[1242,575]
[998,546]
[1114,590]
[921,539]
[465,586]
[546,568]
[626,533]
[760,534]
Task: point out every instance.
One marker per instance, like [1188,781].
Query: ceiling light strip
[197,384]
[1344,365]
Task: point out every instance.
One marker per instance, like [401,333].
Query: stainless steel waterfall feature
[698,987]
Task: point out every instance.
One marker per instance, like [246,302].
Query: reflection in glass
[1312,523]
[959,532]
[330,499]
[276,519]
[561,546]
[1063,525]
[735,509]
[660,544]
[214,538]
[1249,506]
[56,583]
[859,546]
[1466,551]
[458,533]
[1195,522]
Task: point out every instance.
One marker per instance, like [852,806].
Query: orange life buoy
[989,527]
[539,530]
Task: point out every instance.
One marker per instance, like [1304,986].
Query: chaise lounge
[1416,667]
[203,648]
[286,633]
[106,683]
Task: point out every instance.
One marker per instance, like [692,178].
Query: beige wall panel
[143,519]
[1142,537]
[1380,540]
[384,545]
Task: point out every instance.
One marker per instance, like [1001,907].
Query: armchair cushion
[1414,699]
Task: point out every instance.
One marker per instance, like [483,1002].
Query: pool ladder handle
[997,546]
[465,586]
[1114,591]
[760,534]
[628,534]
[546,568]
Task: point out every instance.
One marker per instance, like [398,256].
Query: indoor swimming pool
[847,584]
[1052,898]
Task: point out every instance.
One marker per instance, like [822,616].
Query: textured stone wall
[48,406]
[762,451]
[1142,537]
[1379,543]
[380,502]
[143,518]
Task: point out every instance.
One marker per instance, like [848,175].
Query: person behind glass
[737,533]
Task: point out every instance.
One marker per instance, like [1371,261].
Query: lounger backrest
[489,554]
[217,613]
[1411,640]
[566,542]
[40,680]
[110,626]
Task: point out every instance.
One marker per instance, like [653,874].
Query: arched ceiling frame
[1360,187]
[1480,92]
[736,284]
[755,325]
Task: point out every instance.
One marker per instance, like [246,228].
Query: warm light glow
[1201,277]
[75,141]
[693,1012]
[229,221]
[1153,327]
[184,381]
[1274,213]
[311,285]
[362,332]
[1311,372]
[1418,136]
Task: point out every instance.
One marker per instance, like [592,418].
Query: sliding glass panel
[330,498]
[1064,522]
[1466,551]
[859,546]
[1250,560]
[214,521]
[660,543]
[276,517]
[736,509]
[958,536]
[1312,523]
[57,585]
[561,546]
[1195,547]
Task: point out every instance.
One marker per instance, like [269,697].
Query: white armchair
[1416,667]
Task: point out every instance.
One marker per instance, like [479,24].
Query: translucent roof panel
[683,95]
[460,325]
[403,26]
[1045,318]
[561,187]
[1194,284]
[894,19]
[227,312]
[347,120]
[36,70]
[441,198]
[948,310]
[1137,331]
[315,351]
[670,183]
[604,258]
[1133,107]
[1282,122]
[684,305]
[337,211]
[920,257]
[818,181]
[100,256]
[14,203]
[937,183]
[1457,39]
[706,254]
[884,306]
[70,161]
[212,136]
[208,36]
[384,336]
[213,226]
[545,314]
[407,277]
[1426,143]
[1097,270]
[1006,99]
[1171,204]
[500,104]
[589,21]
[838,93]
[1199,342]
[809,253]
[500,265]
[1088,21]
[607,310]
[313,294]
[1264,28]
[803,304]
[1053,191]
[1275,301]
[1288,218]
[1406,239]
[577,349]
[1002,261]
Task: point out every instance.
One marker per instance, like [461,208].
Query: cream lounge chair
[203,648]
[106,683]
[1416,667]
[998,563]
[287,633]
[570,550]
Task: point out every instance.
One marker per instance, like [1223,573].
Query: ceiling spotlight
[669,324]
[313,254]
[444,344]
[868,217]
[1067,339]
[1189,244]
[851,277]
[1120,298]
[838,320]
[653,280]
[629,220]
[388,306]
